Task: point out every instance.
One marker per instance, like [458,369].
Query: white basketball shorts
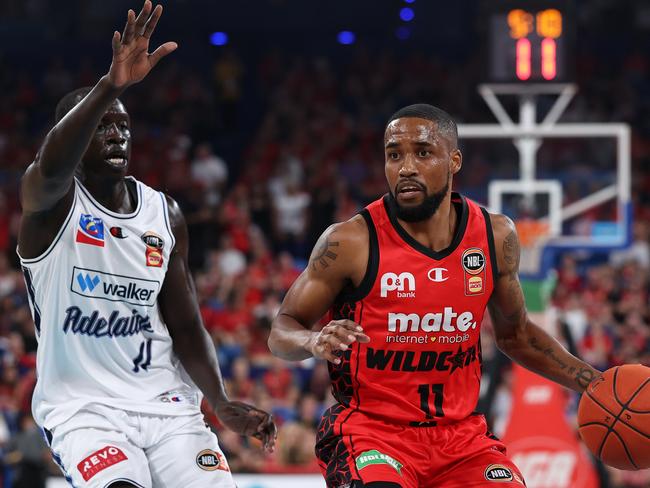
[100,446]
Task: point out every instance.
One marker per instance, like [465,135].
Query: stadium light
[407,14]
[218,38]
[346,37]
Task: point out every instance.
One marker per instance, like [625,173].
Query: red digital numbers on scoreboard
[548,24]
[523,59]
[528,43]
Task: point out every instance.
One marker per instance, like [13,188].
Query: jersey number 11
[438,395]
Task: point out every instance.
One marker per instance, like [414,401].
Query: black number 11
[438,395]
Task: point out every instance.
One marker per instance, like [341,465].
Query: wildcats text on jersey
[412,361]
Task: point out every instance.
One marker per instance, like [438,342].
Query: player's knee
[375,484]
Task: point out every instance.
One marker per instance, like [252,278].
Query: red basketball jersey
[422,310]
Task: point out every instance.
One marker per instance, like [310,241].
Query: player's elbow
[511,339]
[272,342]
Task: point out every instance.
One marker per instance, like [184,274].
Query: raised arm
[339,258]
[516,335]
[49,178]
[193,345]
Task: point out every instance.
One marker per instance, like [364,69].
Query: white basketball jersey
[93,295]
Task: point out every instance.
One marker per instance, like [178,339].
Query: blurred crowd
[309,154]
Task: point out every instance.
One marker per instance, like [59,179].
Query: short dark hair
[446,124]
[69,101]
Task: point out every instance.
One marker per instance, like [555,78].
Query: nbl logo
[473,261]
[398,283]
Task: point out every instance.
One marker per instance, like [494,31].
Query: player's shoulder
[502,226]
[506,243]
[341,250]
[172,205]
[350,233]
[175,214]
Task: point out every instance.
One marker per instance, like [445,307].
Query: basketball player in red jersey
[407,282]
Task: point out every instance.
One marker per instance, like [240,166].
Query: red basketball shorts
[352,446]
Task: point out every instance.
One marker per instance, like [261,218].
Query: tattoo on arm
[582,377]
[517,316]
[511,252]
[548,352]
[325,252]
[585,376]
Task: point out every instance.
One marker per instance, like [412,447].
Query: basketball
[614,417]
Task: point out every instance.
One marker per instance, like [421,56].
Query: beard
[424,210]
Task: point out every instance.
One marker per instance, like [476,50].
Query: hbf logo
[399,283]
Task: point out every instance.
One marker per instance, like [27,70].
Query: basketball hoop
[533,236]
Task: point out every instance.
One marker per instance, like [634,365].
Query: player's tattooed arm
[325,253]
[339,258]
[516,335]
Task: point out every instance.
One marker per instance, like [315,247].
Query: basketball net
[533,236]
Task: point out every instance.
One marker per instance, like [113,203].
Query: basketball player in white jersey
[122,348]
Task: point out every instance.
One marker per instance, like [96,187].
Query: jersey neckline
[116,215]
[412,242]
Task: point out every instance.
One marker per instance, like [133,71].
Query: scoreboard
[529,41]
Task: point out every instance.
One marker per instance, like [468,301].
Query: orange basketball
[614,417]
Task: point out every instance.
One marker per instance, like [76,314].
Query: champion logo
[86,282]
[118,232]
[438,275]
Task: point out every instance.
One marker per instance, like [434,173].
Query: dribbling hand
[131,59]
[336,336]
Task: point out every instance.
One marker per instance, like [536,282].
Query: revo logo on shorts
[100,460]
[395,282]
[93,283]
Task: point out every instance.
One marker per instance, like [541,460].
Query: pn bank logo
[398,283]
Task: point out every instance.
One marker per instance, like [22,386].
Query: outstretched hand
[247,420]
[131,58]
